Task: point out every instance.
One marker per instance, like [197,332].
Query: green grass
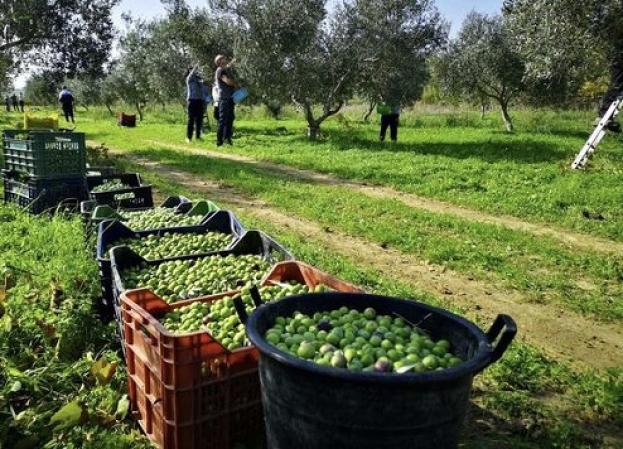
[545,271]
[511,394]
[526,174]
[527,399]
[51,339]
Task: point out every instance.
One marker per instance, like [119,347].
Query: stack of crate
[44,169]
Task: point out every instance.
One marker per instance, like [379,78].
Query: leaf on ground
[69,415]
[103,371]
[123,406]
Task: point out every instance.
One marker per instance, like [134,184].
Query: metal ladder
[598,134]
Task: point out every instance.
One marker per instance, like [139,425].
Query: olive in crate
[220,318]
[170,244]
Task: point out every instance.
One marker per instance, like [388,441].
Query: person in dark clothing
[7,104]
[226,82]
[390,120]
[196,106]
[14,102]
[21,102]
[66,99]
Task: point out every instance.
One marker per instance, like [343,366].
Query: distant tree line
[535,52]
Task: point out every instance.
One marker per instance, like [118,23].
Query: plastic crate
[202,208]
[129,179]
[134,196]
[42,123]
[93,214]
[130,198]
[112,230]
[39,195]
[294,270]
[128,120]
[45,154]
[252,242]
[186,390]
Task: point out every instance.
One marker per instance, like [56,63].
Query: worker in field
[226,81]
[66,99]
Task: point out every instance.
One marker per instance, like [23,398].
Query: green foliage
[54,391]
[481,64]
[69,37]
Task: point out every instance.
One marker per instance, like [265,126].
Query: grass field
[457,213]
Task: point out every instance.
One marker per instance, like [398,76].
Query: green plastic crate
[44,154]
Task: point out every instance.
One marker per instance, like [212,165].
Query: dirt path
[577,240]
[559,333]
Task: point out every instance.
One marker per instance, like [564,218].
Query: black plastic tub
[309,406]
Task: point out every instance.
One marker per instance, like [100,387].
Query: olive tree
[131,73]
[295,51]
[565,42]
[69,36]
[282,53]
[483,63]
[394,39]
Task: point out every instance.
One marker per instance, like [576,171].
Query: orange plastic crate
[188,391]
[292,270]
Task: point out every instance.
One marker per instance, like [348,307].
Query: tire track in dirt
[559,333]
[569,238]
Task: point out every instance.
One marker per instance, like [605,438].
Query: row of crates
[188,390]
[44,169]
[40,194]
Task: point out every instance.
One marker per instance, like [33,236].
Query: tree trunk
[508,122]
[313,131]
[313,125]
[368,113]
[483,108]
[109,107]
[139,110]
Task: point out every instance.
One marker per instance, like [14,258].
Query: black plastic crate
[39,195]
[130,198]
[136,195]
[45,154]
[252,242]
[129,179]
[110,231]
[177,205]
[88,209]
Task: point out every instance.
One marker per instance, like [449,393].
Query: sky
[454,11]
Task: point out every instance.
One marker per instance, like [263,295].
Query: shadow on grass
[528,151]
[495,145]
[483,429]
